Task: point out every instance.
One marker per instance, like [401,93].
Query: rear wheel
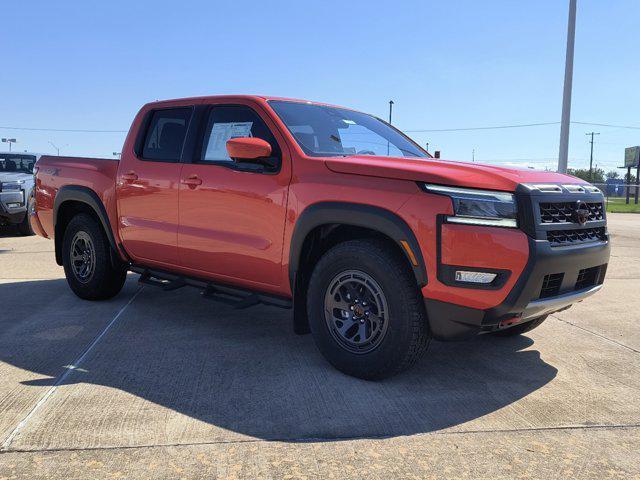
[86,256]
[365,311]
[521,328]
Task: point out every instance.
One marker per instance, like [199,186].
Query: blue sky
[446,64]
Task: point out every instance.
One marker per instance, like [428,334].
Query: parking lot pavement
[153,384]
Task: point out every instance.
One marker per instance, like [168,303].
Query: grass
[618,205]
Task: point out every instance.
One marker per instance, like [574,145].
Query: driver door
[232,221]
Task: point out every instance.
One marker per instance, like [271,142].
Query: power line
[62,130]
[432,130]
[493,127]
[520,125]
[633,127]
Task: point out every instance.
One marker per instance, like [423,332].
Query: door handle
[192,181]
[129,177]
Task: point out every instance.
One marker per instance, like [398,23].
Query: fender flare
[87,196]
[359,215]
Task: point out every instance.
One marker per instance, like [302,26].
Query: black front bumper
[449,321]
[575,271]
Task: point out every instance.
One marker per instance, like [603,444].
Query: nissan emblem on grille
[581,213]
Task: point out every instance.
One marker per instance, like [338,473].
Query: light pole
[9,141]
[566,97]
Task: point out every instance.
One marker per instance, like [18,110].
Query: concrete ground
[170,385]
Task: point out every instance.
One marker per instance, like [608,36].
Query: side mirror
[248,148]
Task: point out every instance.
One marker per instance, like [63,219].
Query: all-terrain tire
[407,335]
[102,280]
[521,328]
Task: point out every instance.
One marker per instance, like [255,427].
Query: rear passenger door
[232,220]
[147,187]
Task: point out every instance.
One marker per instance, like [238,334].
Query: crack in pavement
[73,366]
[596,334]
[304,440]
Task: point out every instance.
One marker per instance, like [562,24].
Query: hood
[27,178]
[445,172]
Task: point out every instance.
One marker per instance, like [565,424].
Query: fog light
[474,277]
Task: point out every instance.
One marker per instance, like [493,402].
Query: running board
[167,285]
[239,298]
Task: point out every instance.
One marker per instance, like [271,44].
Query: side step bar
[237,297]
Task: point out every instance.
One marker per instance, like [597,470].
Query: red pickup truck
[377,246]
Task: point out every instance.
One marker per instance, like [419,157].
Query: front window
[329,131]
[13,162]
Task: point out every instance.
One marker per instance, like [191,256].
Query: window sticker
[220,133]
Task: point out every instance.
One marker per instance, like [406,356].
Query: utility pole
[591,158]
[58,148]
[473,155]
[566,97]
[390,111]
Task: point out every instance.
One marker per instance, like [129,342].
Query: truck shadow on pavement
[8,231]
[245,371]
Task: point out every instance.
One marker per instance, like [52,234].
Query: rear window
[166,133]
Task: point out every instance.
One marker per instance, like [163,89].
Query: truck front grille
[569,237]
[551,285]
[562,212]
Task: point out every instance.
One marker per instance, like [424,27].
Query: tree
[612,174]
[583,173]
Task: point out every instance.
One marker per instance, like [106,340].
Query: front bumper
[545,306]
[13,206]
[528,298]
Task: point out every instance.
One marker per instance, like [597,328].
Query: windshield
[16,163]
[331,131]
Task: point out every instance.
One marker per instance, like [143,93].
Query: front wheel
[365,311]
[86,257]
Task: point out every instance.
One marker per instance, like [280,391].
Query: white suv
[16,189]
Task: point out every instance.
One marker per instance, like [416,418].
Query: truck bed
[55,172]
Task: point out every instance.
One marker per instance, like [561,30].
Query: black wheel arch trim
[359,215]
[78,193]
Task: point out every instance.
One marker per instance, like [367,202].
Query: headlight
[11,185]
[479,207]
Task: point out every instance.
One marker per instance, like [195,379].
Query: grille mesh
[551,285]
[567,237]
[561,212]
[587,277]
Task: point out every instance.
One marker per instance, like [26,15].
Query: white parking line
[70,368]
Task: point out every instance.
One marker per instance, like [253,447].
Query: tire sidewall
[84,223]
[399,335]
[24,227]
